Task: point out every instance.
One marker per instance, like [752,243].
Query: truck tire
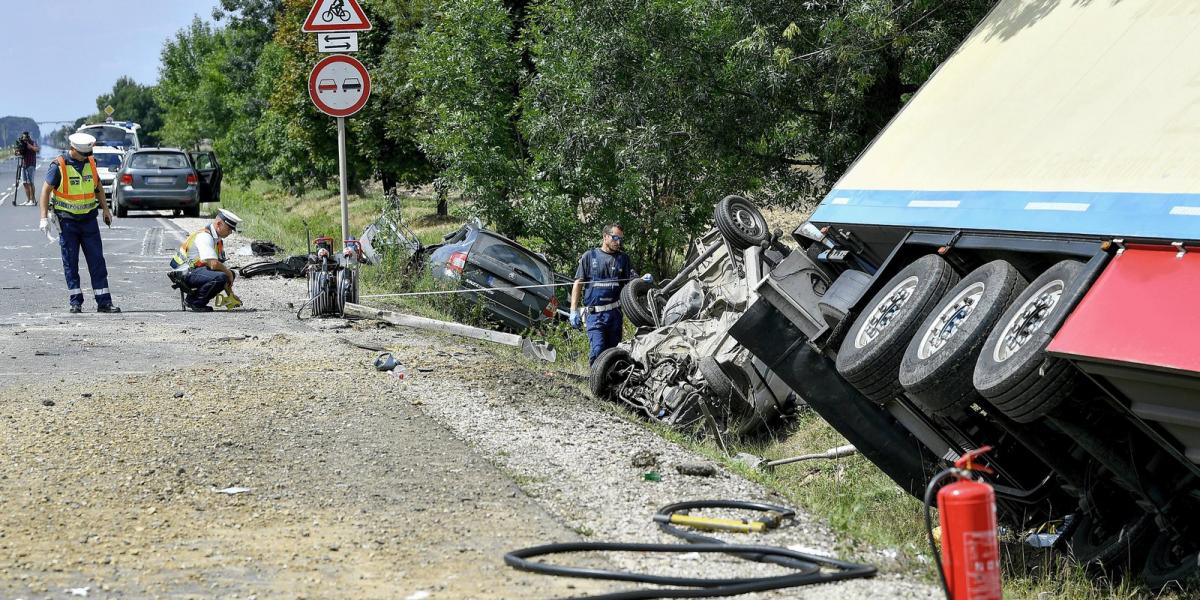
[870,355]
[605,371]
[937,366]
[1013,371]
[635,303]
[741,222]
[1112,550]
[1171,565]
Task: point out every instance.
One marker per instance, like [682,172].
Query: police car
[122,135]
[108,162]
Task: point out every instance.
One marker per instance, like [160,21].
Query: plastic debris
[233,490]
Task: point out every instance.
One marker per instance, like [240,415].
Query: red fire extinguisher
[970,563]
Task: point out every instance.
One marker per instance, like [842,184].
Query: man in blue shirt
[603,271]
[78,196]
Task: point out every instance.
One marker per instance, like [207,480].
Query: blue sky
[92,43]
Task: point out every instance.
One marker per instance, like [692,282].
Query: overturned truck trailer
[1016,263]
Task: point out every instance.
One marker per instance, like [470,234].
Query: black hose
[809,569]
[930,489]
[292,266]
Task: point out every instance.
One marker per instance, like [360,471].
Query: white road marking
[1063,206]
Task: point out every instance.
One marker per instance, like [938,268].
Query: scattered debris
[645,458]
[179,394]
[652,476]
[81,592]
[386,362]
[530,348]
[756,462]
[696,469]
[47,403]
[421,595]
[233,490]
[86,395]
[44,353]
[233,338]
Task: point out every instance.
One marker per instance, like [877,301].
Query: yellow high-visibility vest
[188,255]
[76,192]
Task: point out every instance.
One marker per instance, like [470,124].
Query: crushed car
[515,286]
[682,367]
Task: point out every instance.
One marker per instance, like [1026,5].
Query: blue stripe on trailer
[1166,216]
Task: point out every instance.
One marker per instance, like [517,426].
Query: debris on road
[645,458]
[530,348]
[232,491]
[756,462]
[696,469]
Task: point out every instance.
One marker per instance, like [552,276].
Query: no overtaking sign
[339,85]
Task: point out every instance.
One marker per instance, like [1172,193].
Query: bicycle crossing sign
[336,15]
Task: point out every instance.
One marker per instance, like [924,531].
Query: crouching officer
[78,196]
[200,264]
[604,271]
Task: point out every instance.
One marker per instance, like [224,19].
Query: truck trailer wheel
[1013,371]
[1110,550]
[741,222]
[635,303]
[937,366]
[606,371]
[870,355]
[1171,565]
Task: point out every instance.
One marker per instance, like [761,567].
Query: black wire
[937,556]
[809,567]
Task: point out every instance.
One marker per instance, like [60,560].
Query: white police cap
[82,143]
[230,219]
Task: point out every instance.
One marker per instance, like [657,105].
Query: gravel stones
[644,458]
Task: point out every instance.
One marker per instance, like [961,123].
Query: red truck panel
[1143,310]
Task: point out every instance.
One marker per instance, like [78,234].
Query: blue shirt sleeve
[583,269]
[53,175]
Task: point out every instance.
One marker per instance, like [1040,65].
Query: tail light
[191,179]
[457,262]
[551,308]
[127,179]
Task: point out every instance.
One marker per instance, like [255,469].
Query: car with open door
[210,172]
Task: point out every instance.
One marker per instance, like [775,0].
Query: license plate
[160,180]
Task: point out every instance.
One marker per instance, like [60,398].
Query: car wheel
[192,211]
[718,382]
[635,303]
[741,222]
[1172,565]
[121,211]
[937,366]
[1109,550]
[1013,371]
[870,355]
[607,371]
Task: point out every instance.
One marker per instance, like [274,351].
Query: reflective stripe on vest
[76,192]
[188,255]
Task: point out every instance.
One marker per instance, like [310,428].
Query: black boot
[75,309]
[108,308]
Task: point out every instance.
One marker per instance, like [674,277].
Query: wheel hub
[1028,320]
[884,313]
[950,320]
[745,221]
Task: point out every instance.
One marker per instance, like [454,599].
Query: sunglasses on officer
[615,238]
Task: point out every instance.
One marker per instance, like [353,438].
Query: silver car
[167,179]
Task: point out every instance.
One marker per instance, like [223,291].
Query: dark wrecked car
[516,285]
[682,367]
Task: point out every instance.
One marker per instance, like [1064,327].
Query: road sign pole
[342,174]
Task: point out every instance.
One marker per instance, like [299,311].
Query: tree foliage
[552,117]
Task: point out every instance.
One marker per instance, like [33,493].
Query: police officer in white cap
[200,263]
[78,196]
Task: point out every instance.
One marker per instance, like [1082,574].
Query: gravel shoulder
[360,486]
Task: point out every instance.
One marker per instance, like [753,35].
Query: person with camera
[26,151]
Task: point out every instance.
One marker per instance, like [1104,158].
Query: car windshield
[107,160]
[112,136]
[158,160]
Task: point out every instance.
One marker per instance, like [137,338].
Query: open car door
[210,175]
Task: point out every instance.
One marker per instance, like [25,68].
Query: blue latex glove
[648,278]
[576,319]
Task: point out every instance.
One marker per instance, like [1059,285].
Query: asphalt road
[136,250]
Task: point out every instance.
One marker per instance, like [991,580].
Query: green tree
[467,69]
[194,87]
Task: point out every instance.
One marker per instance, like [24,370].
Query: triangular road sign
[336,15]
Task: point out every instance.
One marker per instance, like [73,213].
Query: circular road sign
[339,85]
